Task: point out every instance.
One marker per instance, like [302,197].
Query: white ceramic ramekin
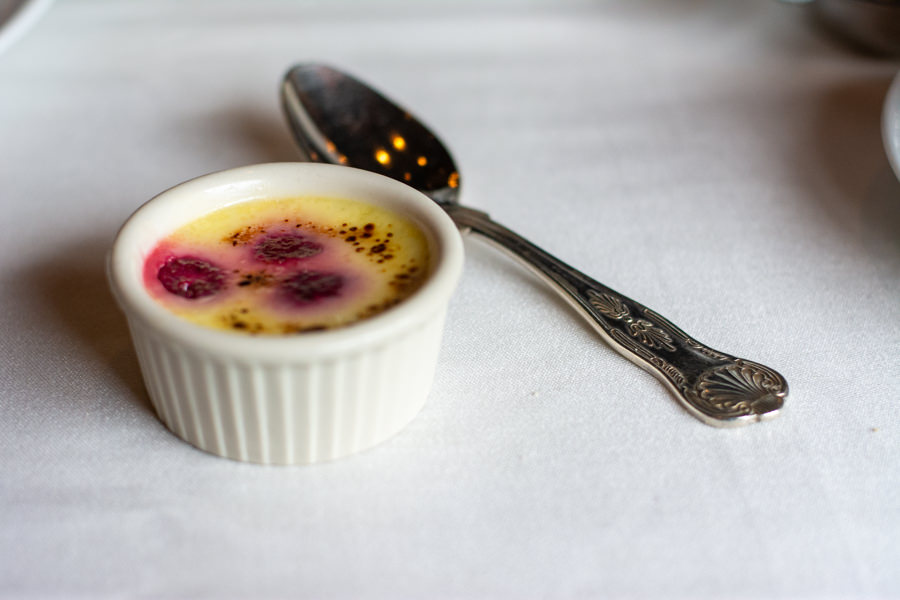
[286,399]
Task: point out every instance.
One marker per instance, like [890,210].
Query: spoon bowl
[336,118]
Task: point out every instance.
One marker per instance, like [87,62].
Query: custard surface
[288,265]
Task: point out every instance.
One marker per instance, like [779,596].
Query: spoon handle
[717,388]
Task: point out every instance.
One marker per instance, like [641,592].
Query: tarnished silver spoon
[338,119]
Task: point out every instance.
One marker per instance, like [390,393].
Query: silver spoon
[338,119]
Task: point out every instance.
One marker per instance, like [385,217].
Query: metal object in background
[870,24]
[17,17]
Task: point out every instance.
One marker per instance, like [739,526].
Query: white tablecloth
[717,161]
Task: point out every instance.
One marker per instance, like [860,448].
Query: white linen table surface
[718,161]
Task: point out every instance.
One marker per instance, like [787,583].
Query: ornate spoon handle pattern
[717,388]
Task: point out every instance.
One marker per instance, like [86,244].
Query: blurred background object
[17,17]
[890,125]
[870,24]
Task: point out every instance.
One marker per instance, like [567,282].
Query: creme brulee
[288,265]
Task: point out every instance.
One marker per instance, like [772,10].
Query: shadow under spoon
[336,118]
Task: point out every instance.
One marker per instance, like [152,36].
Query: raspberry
[281,248]
[308,286]
[190,277]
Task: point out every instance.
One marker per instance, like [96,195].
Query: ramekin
[297,399]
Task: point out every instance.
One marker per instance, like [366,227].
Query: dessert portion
[285,266]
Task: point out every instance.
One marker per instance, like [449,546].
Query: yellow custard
[288,265]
